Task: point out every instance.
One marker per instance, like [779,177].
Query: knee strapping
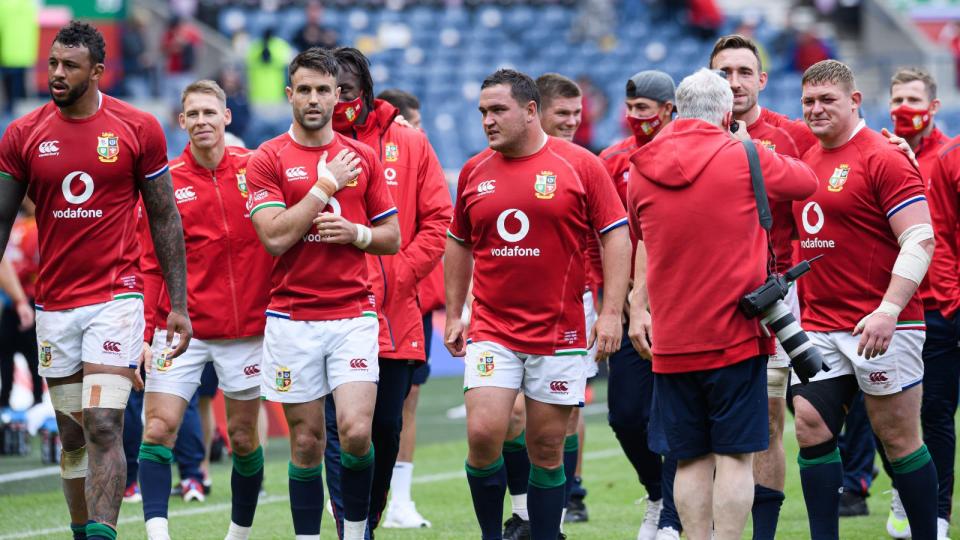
[106,390]
[777,381]
[73,463]
[67,399]
[818,454]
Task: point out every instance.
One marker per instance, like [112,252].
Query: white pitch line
[29,474]
[271,499]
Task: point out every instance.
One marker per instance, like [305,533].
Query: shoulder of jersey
[405,134]
[239,153]
[623,146]
[950,147]
[31,118]
[357,146]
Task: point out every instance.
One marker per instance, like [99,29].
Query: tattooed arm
[167,233]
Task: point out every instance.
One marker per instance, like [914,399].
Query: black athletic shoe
[516,528]
[853,504]
[576,511]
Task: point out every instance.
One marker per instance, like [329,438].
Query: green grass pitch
[34,508]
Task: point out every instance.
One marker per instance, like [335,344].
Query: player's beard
[312,125]
[72,95]
[747,105]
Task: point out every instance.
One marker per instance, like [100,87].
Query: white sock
[400,482]
[157,529]
[519,504]
[307,537]
[236,532]
[354,530]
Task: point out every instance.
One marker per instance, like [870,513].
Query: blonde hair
[204,86]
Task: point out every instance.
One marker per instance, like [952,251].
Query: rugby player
[227,290]
[416,183]
[870,206]
[739,59]
[85,159]
[320,203]
[523,209]
[649,101]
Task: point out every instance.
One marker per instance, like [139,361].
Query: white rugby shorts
[898,369]
[109,334]
[236,361]
[590,314]
[548,379]
[306,360]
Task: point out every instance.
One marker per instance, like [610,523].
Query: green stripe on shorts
[368,314]
[570,352]
[127,296]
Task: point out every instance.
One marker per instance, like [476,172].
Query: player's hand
[145,362]
[26,314]
[335,229]
[640,332]
[607,333]
[902,144]
[741,133]
[178,323]
[453,337]
[399,119]
[876,333]
[345,167]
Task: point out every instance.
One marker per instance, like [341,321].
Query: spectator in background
[137,62]
[705,17]
[267,61]
[808,50]
[15,336]
[181,45]
[231,80]
[19,35]
[314,33]
[594,108]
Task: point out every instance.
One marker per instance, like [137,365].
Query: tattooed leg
[108,465]
[69,423]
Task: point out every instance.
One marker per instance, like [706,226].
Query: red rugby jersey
[83,176]
[862,184]
[316,281]
[526,221]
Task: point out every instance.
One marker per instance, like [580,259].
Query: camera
[767,303]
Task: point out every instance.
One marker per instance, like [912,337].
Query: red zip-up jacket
[228,271]
[926,154]
[419,189]
[696,214]
[943,194]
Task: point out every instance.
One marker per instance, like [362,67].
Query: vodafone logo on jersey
[296,173]
[77,188]
[813,220]
[486,187]
[391,175]
[509,231]
[49,148]
[185,194]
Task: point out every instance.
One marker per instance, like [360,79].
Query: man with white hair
[710,391]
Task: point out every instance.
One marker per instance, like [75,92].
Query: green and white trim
[128,296]
[570,352]
[368,314]
[267,204]
[911,325]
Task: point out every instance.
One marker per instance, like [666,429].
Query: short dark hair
[909,74]
[830,71]
[522,87]
[80,34]
[354,61]
[405,101]
[736,41]
[554,85]
[316,59]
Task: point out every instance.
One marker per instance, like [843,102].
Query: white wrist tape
[320,194]
[326,176]
[888,308]
[67,399]
[913,260]
[465,316]
[106,391]
[364,236]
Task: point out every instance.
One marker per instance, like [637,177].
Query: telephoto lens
[804,356]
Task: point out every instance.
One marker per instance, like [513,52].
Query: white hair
[705,96]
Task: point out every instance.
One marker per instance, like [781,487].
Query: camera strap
[760,193]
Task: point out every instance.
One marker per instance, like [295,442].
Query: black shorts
[421,373]
[720,411]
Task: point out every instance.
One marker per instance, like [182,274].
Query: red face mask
[908,122]
[345,113]
[644,128]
